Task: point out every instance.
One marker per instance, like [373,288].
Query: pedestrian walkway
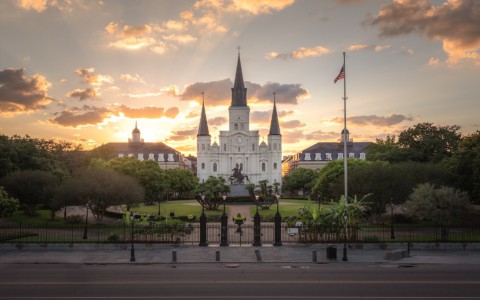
[165,254]
[244,210]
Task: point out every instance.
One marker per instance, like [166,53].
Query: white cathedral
[239,153]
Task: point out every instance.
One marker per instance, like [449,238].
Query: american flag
[341,75]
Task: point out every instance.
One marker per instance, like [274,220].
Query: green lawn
[42,218]
[287,208]
[178,207]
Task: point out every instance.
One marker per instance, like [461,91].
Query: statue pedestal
[238,190]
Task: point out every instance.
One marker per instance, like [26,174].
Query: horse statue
[237,176]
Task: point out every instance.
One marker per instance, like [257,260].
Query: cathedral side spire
[274,126]
[203,127]
[239,92]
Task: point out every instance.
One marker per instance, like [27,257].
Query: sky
[86,71]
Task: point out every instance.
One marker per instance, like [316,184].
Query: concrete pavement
[289,254]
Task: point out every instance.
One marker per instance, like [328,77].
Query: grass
[178,207]
[42,218]
[287,208]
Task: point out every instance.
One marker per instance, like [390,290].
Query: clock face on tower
[239,139]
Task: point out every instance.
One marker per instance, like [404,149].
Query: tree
[101,188]
[213,189]
[300,179]
[8,205]
[443,205]
[429,143]
[465,165]
[181,181]
[386,150]
[31,187]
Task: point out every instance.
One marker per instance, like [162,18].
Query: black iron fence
[190,234]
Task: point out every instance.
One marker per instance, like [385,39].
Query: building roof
[334,148]
[136,130]
[146,149]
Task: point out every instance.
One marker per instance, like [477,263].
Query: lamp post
[392,230]
[345,218]
[203,225]
[278,225]
[224,226]
[132,251]
[256,226]
[86,223]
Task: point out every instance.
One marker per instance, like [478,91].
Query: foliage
[181,182]
[146,172]
[443,205]
[100,188]
[429,143]
[386,150]
[26,153]
[266,194]
[212,189]
[8,205]
[465,165]
[300,179]
[31,187]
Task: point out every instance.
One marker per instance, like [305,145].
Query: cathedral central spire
[274,126]
[239,92]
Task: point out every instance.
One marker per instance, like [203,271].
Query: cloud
[433,61]
[149,112]
[261,6]
[192,115]
[131,78]
[88,115]
[376,48]
[38,5]
[322,135]
[42,5]
[182,39]
[390,120]
[217,121]
[456,23]
[300,53]
[260,116]
[219,92]
[93,79]
[69,118]
[20,93]
[292,124]
[290,137]
[88,93]
[189,132]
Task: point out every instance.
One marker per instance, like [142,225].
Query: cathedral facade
[239,156]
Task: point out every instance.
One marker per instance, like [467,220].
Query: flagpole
[345,163]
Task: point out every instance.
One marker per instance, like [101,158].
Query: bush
[113,237]
[74,219]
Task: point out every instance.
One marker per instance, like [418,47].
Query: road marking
[241,297]
[249,282]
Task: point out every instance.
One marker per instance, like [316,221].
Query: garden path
[243,209]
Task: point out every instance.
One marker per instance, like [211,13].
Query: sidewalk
[164,254]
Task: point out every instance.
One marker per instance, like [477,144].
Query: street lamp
[392,230]
[132,252]
[278,225]
[345,218]
[86,223]
[224,226]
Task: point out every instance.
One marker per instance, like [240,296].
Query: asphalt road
[245,281]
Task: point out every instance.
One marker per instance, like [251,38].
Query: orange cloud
[19,93]
[300,53]
[88,93]
[455,23]
[93,79]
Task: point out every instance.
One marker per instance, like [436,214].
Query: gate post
[256,227]
[203,228]
[278,225]
[224,226]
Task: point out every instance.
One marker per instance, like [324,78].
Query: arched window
[242,126]
[235,126]
[203,166]
[274,166]
[263,167]
[225,147]
[214,167]
[253,147]
[275,146]
[203,146]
